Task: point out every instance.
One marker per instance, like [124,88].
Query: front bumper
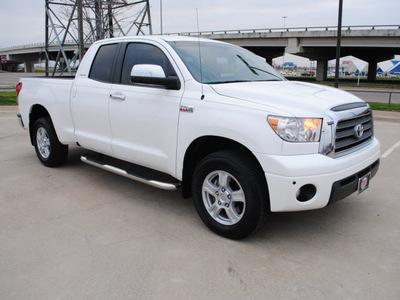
[305,182]
[347,186]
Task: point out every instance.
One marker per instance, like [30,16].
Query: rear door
[90,102]
[143,117]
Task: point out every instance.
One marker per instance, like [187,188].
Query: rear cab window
[103,63]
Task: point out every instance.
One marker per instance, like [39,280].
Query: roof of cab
[166,38]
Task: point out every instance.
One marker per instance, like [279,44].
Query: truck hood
[296,98]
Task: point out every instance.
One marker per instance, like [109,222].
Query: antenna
[201,65]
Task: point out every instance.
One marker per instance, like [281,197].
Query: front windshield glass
[223,63]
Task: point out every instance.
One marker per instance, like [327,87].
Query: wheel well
[37,112]
[202,147]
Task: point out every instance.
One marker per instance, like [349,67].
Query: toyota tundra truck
[210,118]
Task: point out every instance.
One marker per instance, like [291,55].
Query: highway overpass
[32,54]
[369,43]
[372,44]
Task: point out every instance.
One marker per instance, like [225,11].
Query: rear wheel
[230,194]
[48,148]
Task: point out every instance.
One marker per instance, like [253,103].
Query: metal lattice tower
[73,25]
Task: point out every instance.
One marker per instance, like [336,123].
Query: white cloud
[22,22]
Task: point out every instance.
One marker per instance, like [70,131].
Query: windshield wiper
[253,69]
[227,81]
[238,81]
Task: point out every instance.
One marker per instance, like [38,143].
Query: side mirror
[147,71]
[154,74]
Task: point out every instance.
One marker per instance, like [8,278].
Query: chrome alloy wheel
[223,197]
[43,142]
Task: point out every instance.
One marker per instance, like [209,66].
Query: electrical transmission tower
[73,25]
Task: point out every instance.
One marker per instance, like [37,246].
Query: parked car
[308,73]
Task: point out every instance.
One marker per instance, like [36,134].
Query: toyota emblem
[359,131]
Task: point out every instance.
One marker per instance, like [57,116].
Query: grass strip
[385,106]
[8,98]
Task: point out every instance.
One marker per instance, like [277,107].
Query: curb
[9,108]
[388,116]
[387,119]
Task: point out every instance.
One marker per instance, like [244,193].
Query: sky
[22,21]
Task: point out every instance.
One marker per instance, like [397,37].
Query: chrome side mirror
[154,75]
[147,71]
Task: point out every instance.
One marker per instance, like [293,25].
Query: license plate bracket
[363,183]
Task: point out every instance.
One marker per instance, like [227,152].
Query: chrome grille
[353,133]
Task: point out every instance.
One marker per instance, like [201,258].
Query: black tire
[48,148]
[237,208]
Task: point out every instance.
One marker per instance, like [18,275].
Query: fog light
[306,192]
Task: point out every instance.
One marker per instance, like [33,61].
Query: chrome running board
[118,171]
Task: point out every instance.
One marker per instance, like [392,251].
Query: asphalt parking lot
[77,232]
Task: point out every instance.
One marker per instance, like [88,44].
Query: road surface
[78,232]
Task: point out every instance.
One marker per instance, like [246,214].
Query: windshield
[222,63]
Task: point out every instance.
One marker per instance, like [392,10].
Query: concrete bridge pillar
[29,66]
[372,67]
[322,70]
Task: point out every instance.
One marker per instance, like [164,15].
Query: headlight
[296,129]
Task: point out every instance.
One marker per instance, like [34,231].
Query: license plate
[363,183]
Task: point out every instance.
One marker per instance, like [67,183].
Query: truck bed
[53,94]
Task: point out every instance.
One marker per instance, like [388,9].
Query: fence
[377,92]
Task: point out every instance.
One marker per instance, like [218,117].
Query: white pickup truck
[209,117]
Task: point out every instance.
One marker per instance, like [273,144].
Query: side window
[138,53]
[102,64]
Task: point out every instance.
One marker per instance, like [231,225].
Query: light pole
[161,16]
[339,38]
[284,27]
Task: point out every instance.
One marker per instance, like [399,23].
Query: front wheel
[230,194]
[48,148]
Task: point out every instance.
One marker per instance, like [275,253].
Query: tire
[48,148]
[230,194]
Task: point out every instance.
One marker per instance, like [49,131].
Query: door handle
[118,96]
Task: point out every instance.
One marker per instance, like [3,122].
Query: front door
[144,118]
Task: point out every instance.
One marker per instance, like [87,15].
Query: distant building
[350,67]
[395,70]
[389,67]
[289,66]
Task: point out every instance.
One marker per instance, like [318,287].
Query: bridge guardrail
[375,91]
[291,29]
[236,31]
[67,43]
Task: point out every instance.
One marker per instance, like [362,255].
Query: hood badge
[189,109]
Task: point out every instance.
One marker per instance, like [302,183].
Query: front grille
[346,133]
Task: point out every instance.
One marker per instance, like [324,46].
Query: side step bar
[154,183]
